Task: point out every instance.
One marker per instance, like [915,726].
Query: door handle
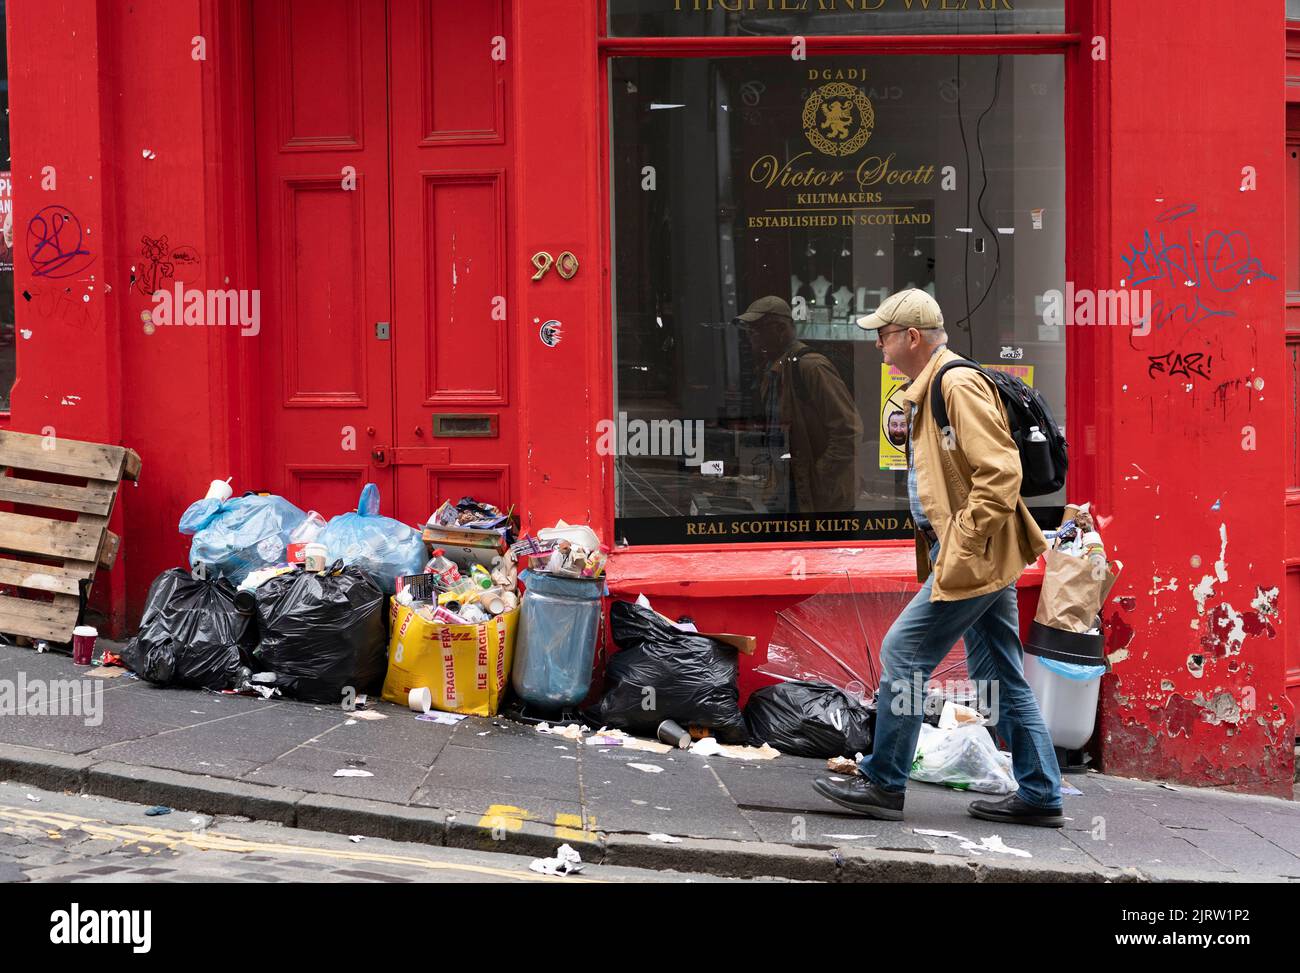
[380,455]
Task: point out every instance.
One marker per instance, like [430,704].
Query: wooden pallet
[77,547]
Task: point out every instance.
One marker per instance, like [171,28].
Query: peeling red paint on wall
[1172,740]
[1182,715]
[1119,633]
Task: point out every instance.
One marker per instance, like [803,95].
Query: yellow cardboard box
[465,667]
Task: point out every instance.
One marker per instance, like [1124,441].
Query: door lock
[382,330]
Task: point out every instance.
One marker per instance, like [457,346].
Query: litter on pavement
[442,719]
[843,765]
[566,862]
[992,843]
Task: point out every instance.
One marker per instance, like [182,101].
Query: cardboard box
[467,546]
[741,643]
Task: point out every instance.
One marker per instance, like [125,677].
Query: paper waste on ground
[710,747]
[605,737]
[566,862]
[991,843]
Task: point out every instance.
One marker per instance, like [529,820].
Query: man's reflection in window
[811,428]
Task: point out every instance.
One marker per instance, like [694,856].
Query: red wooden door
[412,94]
[455,432]
[321,118]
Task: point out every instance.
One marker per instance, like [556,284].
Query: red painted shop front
[478,243]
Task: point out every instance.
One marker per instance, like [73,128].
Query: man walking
[974,537]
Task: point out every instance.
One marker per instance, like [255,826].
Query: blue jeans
[918,641]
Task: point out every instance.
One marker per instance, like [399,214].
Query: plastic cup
[219,490]
[672,734]
[420,700]
[83,644]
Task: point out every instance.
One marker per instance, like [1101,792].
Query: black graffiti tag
[1171,363]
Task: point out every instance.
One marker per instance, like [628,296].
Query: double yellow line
[55,822]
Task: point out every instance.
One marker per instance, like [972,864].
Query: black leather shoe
[860,795]
[1013,810]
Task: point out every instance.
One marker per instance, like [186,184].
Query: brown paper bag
[1071,597]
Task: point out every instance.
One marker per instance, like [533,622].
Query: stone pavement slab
[309,768]
[685,797]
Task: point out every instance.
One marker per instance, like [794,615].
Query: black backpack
[1042,464]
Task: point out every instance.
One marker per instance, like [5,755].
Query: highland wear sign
[791,18]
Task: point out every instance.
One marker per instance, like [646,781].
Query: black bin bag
[191,633]
[322,632]
[679,676]
[809,719]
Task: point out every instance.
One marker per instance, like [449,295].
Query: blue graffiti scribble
[1221,264]
[55,243]
[1174,212]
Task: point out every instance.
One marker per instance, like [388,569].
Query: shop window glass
[827,184]
[747,18]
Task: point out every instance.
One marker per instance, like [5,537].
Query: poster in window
[7,222]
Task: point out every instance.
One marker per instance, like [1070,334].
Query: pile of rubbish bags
[310,635]
[281,601]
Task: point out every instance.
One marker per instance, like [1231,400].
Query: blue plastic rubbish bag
[235,536]
[1072,670]
[382,547]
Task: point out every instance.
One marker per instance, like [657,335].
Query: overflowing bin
[556,646]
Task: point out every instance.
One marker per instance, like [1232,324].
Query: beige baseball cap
[764,306]
[912,308]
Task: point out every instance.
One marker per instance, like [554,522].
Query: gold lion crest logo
[838,118]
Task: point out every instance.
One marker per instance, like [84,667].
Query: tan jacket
[825,430]
[970,491]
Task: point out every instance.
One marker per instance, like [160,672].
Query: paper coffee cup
[83,644]
[219,490]
[420,700]
[315,557]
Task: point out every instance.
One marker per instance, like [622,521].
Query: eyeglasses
[881,335]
